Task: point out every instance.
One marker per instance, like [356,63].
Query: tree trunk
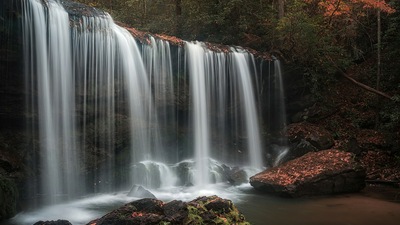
[378,74]
[178,7]
[367,87]
[281,9]
[378,70]
[178,13]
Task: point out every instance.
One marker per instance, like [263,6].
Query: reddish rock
[316,173]
[143,211]
[202,210]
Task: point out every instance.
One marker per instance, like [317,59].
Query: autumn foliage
[341,7]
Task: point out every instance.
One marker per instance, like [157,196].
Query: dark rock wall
[8,198]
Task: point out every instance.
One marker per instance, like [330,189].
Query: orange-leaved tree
[340,7]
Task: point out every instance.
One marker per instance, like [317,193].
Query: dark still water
[365,208]
[370,207]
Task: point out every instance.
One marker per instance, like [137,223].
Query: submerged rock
[234,175]
[203,210]
[316,173]
[140,192]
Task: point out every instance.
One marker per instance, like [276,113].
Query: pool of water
[351,209]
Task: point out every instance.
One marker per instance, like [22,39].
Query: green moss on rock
[202,210]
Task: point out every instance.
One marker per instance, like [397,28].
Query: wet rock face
[319,137]
[79,9]
[8,198]
[316,173]
[234,175]
[176,211]
[305,137]
[203,210]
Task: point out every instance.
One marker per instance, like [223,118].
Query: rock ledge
[316,173]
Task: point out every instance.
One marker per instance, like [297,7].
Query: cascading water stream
[49,63]
[282,147]
[242,72]
[96,57]
[209,73]
[95,71]
[157,60]
[197,71]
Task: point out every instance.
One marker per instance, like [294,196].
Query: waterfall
[208,73]
[242,72]
[198,76]
[158,63]
[112,113]
[48,63]
[281,149]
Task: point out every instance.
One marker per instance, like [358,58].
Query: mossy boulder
[202,210]
[53,222]
[8,198]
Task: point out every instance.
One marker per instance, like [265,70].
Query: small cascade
[198,75]
[242,72]
[281,149]
[153,174]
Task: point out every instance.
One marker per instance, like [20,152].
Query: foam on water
[84,210]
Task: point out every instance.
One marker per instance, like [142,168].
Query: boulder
[143,211]
[176,211]
[183,171]
[296,150]
[316,173]
[53,222]
[234,175]
[319,137]
[8,198]
[303,138]
[140,192]
[202,210]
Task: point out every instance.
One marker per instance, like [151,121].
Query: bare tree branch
[368,88]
